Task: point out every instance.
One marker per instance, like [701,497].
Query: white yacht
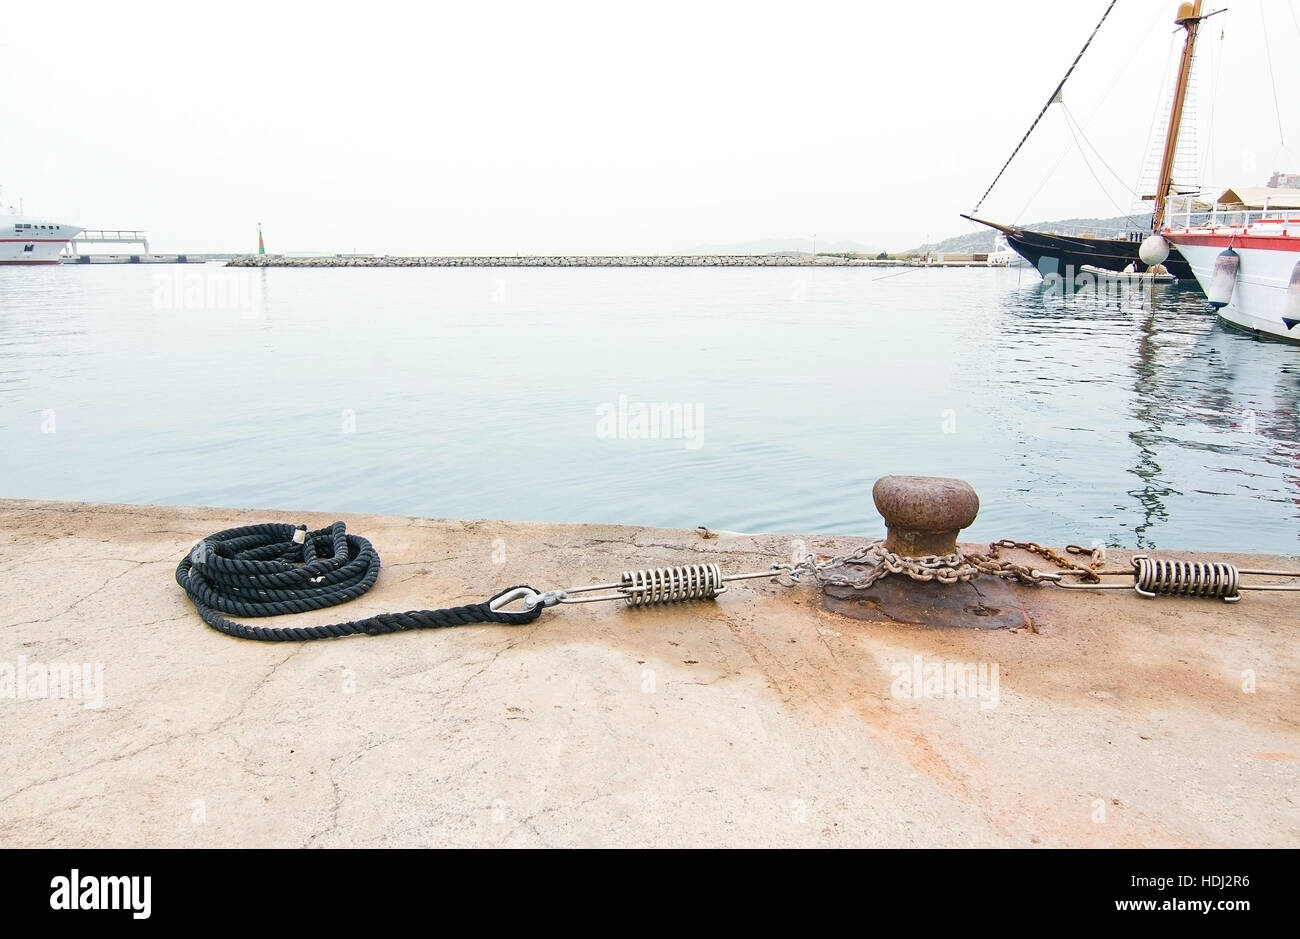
[25,239]
[1003,255]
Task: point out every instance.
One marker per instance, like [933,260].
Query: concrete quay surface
[756,719]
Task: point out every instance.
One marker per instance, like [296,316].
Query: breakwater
[654,260]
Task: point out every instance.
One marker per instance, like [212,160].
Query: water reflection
[1147,411]
[1210,412]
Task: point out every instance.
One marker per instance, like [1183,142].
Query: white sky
[600,127]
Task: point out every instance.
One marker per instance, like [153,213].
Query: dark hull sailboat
[1056,254]
[1061,254]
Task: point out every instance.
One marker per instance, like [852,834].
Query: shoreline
[674,260]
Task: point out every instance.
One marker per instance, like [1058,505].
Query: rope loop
[273,569]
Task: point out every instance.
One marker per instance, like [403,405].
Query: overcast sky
[605,128]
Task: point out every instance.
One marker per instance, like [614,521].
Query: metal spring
[672,584]
[1186,578]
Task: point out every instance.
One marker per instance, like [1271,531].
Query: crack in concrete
[336,784]
[75,603]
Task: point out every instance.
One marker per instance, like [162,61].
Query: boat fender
[1291,317]
[1224,280]
[1154,250]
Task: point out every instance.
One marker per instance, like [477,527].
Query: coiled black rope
[270,570]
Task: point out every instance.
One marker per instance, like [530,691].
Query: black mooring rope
[269,570]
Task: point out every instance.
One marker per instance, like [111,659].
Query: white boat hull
[1128,277]
[26,240]
[1259,297]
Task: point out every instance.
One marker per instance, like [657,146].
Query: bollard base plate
[986,603]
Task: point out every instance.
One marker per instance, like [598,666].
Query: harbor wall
[684,260]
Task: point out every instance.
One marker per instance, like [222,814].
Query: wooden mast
[1189,17]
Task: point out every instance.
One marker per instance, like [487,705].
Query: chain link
[1088,573]
[872,562]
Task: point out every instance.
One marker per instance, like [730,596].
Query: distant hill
[982,239]
[785,246]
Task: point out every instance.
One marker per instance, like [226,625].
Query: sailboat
[1061,254]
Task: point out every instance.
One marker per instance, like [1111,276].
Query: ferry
[25,239]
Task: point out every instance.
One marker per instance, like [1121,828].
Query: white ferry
[25,239]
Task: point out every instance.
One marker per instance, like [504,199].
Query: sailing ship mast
[1054,254]
[1189,18]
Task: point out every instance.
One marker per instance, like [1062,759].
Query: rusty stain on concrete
[984,603]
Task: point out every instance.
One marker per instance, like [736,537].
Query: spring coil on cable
[672,584]
[1186,578]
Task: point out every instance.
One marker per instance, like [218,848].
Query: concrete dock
[146,258]
[756,719]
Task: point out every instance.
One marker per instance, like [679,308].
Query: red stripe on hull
[1254,242]
[29,263]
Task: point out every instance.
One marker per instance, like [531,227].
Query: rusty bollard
[923,514]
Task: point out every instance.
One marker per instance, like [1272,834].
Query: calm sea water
[1136,421]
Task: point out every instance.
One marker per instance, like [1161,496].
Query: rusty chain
[1088,573]
[872,562]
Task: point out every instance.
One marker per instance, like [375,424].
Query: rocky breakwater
[656,260]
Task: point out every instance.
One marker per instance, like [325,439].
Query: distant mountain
[786,246]
[982,239]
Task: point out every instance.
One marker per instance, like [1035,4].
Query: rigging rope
[1081,136]
[1050,173]
[899,273]
[269,570]
[1272,78]
[1148,167]
[1216,69]
[1119,75]
[1100,184]
[1050,101]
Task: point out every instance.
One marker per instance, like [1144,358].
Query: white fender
[1224,280]
[1291,313]
[1154,250]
